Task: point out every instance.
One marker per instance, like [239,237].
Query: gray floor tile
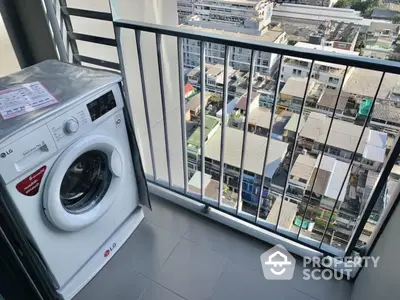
[148,249]
[168,215]
[192,271]
[321,289]
[157,292]
[114,281]
[238,283]
[238,247]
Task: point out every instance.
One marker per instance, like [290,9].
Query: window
[265,63]
[294,71]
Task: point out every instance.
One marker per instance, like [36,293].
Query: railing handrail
[312,54]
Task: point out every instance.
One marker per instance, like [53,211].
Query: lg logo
[108,251]
[4,154]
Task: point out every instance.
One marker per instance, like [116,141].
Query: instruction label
[24,98]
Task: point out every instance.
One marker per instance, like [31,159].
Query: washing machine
[67,168]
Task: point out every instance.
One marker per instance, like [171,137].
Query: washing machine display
[101,105]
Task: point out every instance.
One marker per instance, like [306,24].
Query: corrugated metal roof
[261,117]
[343,135]
[255,151]
[303,167]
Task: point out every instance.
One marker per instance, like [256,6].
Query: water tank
[315,38]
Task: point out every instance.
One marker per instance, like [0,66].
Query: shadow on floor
[175,254]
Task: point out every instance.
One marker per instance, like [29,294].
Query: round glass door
[85,182]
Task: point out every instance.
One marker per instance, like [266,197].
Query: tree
[396,19]
[342,3]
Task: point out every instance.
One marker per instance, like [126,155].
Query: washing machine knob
[71,126]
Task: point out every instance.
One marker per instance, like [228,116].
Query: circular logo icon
[107,253]
[3,154]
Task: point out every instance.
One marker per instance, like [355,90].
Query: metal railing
[314,56]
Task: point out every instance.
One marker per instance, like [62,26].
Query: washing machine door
[83,182]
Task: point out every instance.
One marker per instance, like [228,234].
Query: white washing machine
[67,168]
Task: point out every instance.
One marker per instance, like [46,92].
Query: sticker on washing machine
[30,185]
[24,98]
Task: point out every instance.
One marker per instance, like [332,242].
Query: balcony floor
[175,254]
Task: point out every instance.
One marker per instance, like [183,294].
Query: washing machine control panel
[71,126]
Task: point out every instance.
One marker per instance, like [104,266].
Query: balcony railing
[242,158]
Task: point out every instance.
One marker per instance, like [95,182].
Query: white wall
[382,282]
[8,60]
[158,12]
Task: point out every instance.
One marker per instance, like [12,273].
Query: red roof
[188,88]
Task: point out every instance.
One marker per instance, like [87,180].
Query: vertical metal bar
[245,129]
[56,30]
[271,125]
[142,80]
[324,147]
[224,105]
[68,27]
[163,104]
[353,158]
[295,142]
[202,111]
[379,185]
[319,163]
[183,120]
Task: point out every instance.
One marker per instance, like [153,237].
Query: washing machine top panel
[67,83]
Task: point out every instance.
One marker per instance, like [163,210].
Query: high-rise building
[229,11]
[247,19]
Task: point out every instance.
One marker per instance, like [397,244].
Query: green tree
[396,19]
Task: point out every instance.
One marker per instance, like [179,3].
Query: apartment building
[289,12]
[327,184]
[194,142]
[326,3]
[328,73]
[342,141]
[192,106]
[253,169]
[238,81]
[226,11]
[292,94]
[241,18]
[266,63]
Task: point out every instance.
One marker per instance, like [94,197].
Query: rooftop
[241,104]
[291,125]
[345,135]
[330,178]
[303,167]
[387,113]
[254,154]
[380,26]
[311,12]
[295,87]
[214,70]
[210,123]
[269,36]
[260,116]
[365,82]
[383,13]
[188,88]
[288,213]
[329,98]
[194,101]
[326,48]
